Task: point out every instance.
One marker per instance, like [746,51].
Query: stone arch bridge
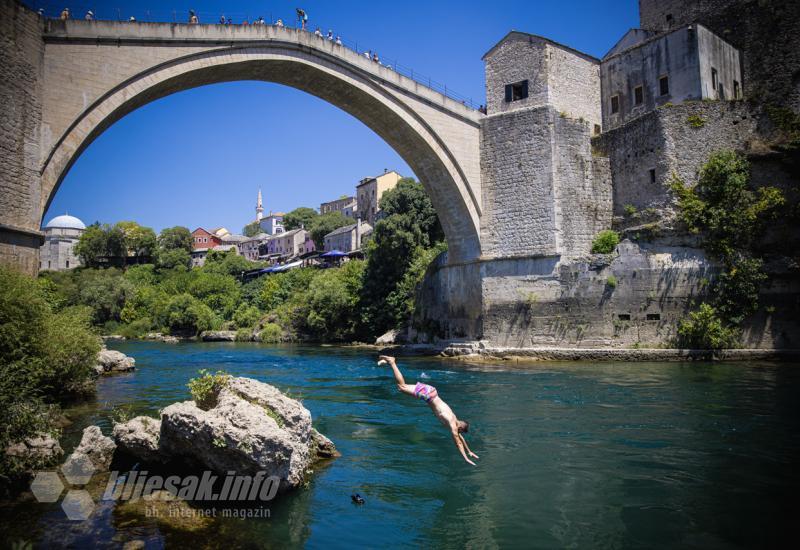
[92,73]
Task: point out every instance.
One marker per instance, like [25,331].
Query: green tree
[324,224]
[217,291]
[299,217]
[185,314]
[333,298]
[251,229]
[105,292]
[176,237]
[140,241]
[91,247]
[174,258]
[605,242]
[227,262]
[44,356]
[409,198]
[389,254]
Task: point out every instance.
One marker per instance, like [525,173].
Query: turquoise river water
[573,455]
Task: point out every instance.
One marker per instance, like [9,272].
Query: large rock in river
[252,427]
[139,438]
[109,360]
[97,447]
[218,336]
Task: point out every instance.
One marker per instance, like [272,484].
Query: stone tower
[259,208]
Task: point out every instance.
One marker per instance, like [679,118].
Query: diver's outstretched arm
[460,444]
[469,451]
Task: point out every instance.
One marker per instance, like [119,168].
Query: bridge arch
[415,135]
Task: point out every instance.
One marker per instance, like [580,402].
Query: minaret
[259,208]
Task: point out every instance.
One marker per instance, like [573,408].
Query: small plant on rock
[696,121]
[630,210]
[605,242]
[611,282]
[205,388]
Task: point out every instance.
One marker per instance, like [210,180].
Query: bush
[271,333]
[137,328]
[696,121]
[605,242]
[205,389]
[187,315]
[705,330]
[44,356]
[246,316]
[244,335]
[630,210]
[611,282]
[332,300]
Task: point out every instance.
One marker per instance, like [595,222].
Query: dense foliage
[299,217]
[731,217]
[46,353]
[357,301]
[129,242]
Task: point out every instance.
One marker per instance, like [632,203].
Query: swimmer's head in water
[463,426]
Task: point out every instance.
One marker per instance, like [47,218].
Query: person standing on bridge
[89,16]
[441,409]
[65,14]
[193,20]
[302,18]
[279,23]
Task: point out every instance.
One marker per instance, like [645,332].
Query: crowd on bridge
[302,24]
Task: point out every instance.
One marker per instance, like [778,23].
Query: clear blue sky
[197,158]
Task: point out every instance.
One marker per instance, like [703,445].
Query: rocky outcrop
[139,438]
[40,449]
[97,447]
[157,336]
[392,336]
[252,427]
[218,336]
[110,361]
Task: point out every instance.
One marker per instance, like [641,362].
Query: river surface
[573,455]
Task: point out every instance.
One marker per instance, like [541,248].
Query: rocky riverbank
[250,427]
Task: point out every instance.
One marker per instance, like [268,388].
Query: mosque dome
[65,222]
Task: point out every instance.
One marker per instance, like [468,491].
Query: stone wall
[767,32]
[519,217]
[666,141]
[517,57]
[633,298]
[574,84]
[21,58]
[582,184]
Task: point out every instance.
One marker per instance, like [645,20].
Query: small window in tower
[652,175]
[516,91]
[67,264]
[714,79]
[663,85]
[653,316]
[737,92]
[638,95]
[624,316]
[721,91]
[597,129]
[614,104]
[669,19]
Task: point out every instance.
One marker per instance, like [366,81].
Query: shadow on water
[572,454]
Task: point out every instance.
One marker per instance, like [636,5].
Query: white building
[272,224]
[61,235]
